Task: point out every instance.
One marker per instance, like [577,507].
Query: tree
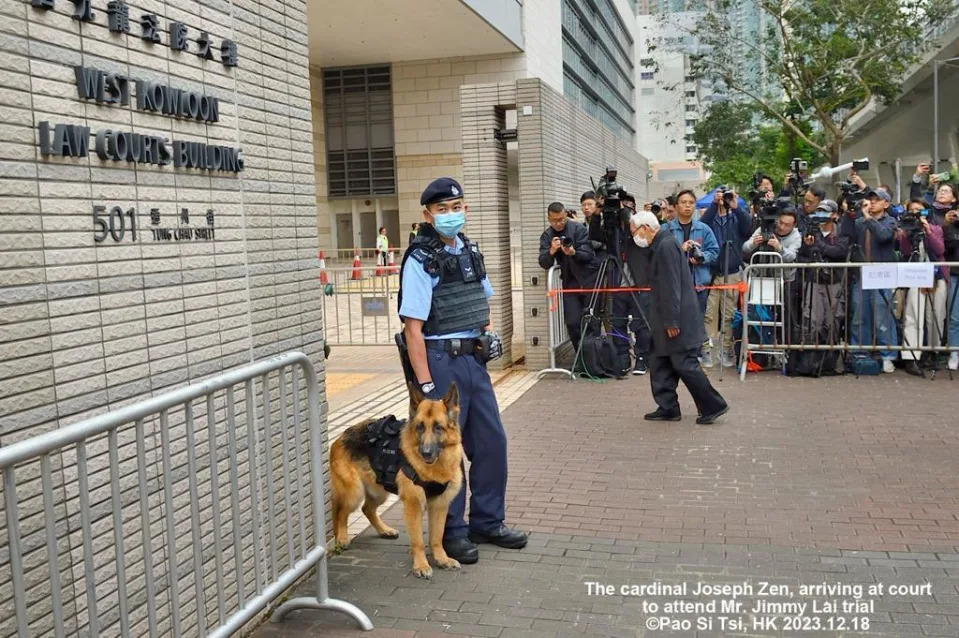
[735,142]
[826,59]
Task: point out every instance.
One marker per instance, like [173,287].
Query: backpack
[812,363]
[600,358]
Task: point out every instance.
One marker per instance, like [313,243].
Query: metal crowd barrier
[360,309]
[133,486]
[907,314]
[558,334]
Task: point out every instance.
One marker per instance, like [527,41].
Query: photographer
[874,242]
[942,199]
[811,200]
[587,204]
[566,244]
[785,240]
[731,225]
[951,241]
[920,241]
[824,305]
[697,242]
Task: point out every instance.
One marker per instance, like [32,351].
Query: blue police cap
[441,190]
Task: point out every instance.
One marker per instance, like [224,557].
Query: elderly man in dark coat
[676,326]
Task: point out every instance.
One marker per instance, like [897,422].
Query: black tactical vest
[382,438]
[459,302]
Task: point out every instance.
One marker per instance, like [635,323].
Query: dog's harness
[386,457]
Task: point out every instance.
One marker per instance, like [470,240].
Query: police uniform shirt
[418,287]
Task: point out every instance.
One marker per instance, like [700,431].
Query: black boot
[461,549]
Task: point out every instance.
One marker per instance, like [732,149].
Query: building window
[690,122]
[358,110]
[646,92]
[690,149]
[646,62]
[690,108]
[646,75]
[690,93]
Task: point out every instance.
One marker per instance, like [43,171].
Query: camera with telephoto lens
[566,242]
[727,194]
[656,209]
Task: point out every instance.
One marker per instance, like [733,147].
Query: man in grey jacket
[785,240]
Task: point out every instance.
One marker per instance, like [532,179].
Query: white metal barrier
[895,298]
[162,537]
[558,333]
[360,309]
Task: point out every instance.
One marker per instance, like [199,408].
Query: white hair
[644,218]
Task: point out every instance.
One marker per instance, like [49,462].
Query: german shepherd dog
[431,443]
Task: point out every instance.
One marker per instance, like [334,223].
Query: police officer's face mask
[448,222]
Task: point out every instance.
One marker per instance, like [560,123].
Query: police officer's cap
[441,190]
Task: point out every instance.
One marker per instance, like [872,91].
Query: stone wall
[560,148]
[87,326]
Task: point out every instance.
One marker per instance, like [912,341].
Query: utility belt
[484,348]
[454,347]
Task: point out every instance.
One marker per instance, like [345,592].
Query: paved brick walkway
[836,481]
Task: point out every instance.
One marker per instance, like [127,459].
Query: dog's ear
[416,397]
[452,402]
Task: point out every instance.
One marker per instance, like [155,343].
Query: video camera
[613,214]
[912,223]
[798,184]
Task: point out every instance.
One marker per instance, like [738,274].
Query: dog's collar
[432,488]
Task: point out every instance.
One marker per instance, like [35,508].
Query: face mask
[640,241]
[448,224]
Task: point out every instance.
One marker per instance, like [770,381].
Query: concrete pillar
[357,238]
[486,186]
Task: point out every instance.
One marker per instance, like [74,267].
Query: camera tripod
[600,310]
[918,255]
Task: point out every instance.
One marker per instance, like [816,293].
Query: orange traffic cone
[392,265]
[324,279]
[380,271]
[356,265]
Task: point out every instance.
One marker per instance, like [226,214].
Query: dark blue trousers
[484,441]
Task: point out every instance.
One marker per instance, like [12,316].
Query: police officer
[444,305]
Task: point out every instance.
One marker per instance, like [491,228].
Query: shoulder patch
[421,255]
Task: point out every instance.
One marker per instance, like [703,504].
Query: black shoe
[640,367]
[503,537]
[461,549]
[662,415]
[913,368]
[709,419]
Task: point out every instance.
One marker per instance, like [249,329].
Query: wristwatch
[427,387]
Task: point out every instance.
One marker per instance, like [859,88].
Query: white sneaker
[954,361]
[887,366]
[707,359]
[728,360]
